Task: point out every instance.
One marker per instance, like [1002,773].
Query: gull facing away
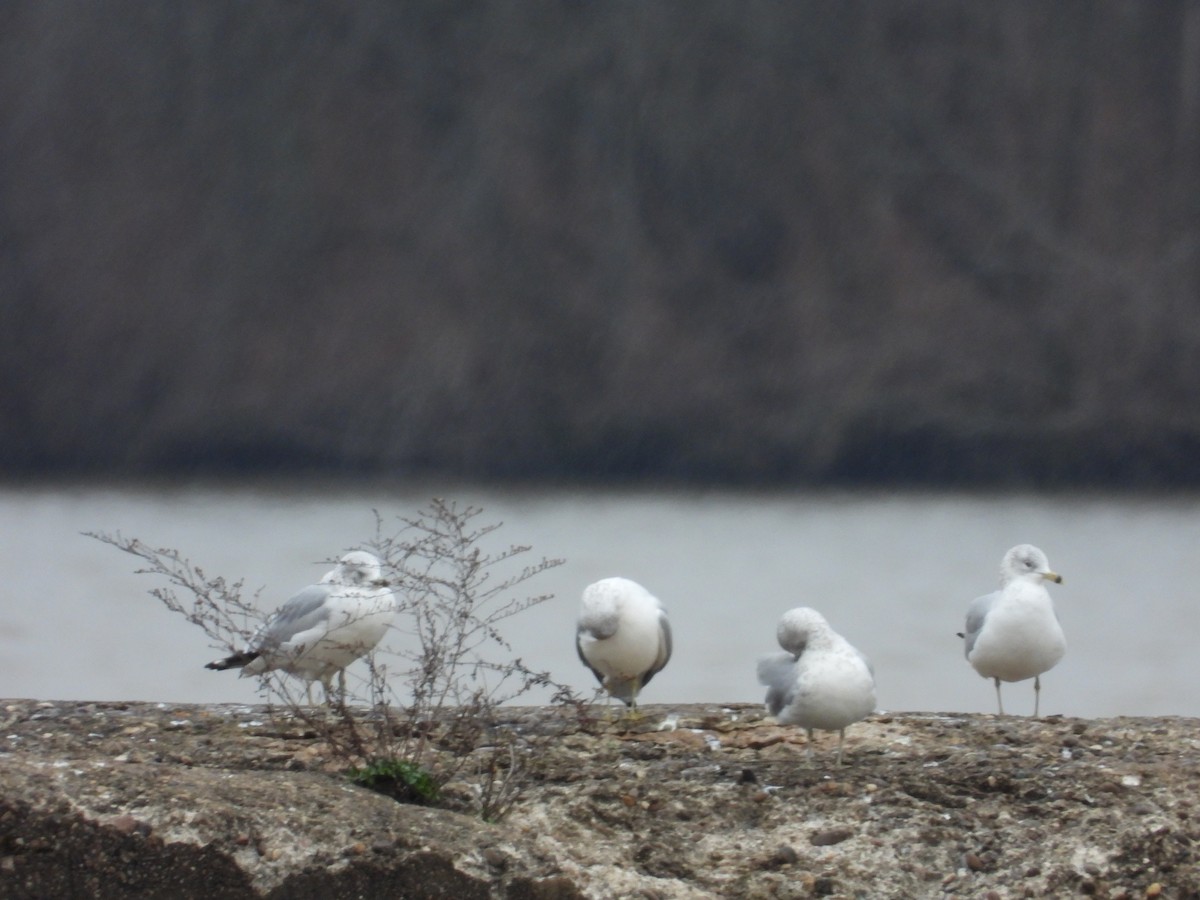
[1013,633]
[623,636]
[820,681]
[324,628]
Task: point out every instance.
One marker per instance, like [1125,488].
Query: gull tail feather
[778,673]
[236,661]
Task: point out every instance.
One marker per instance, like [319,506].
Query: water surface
[893,572]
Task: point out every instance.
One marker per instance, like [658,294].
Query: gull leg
[809,745]
[632,715]
[308,693]
[841,740]
[999,702]
[609,715]
[1037,694]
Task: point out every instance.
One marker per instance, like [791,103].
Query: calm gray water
[893,573]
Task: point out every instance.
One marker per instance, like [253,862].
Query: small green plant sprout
[398,778]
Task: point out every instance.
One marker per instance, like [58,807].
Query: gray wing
[778,673]
[583,659]
[304,611]
[976,615]
[664,649]
[599,627]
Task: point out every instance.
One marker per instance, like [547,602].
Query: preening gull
[1013,633]
[821,681]
[324,628]
[623,636]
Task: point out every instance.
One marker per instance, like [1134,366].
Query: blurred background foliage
[910,242]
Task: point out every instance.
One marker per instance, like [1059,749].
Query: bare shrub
[427,711]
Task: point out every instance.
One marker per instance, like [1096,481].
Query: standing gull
[622,636]
[1013,633]
[324,628]
[821,681]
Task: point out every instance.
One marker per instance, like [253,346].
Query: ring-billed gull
[821,681]
[1013,633]
[324,628]
[623,636]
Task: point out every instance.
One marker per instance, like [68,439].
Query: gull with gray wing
[324,628]
[1013,634]
[623,636]
[820,680]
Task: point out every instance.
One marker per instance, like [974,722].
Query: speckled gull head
[324,628]
[358,567]
[820,680]
[1013,634]
[1028,562]
[623,636]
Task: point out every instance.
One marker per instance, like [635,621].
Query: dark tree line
[853,242]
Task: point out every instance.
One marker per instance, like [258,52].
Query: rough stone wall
[124,800]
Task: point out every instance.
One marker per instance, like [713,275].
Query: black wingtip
[232,662]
